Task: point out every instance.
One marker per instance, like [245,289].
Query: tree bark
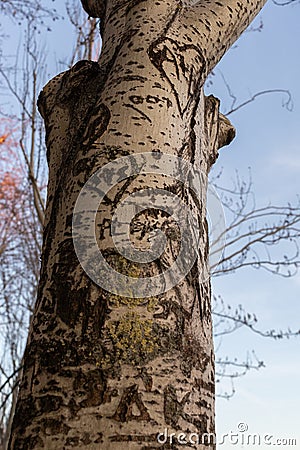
[103,369]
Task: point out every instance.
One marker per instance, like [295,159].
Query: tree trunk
[108,363]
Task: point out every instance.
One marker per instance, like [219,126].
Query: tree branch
[94,8]
[216,25]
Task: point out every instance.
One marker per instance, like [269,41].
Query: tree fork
[102,369]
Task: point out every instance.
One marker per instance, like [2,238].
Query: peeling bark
[101,370]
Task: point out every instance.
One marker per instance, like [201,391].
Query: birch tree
[108,364]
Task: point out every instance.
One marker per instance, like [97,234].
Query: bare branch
[285,3]
[288,103]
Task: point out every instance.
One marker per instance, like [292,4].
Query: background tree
[20,253]
[23,182]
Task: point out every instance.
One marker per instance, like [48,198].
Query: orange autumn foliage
[11,180]
[3,138]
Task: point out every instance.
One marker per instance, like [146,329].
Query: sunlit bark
[103,370]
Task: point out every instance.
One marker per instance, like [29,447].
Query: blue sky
[267,140]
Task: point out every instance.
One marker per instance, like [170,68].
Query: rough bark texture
[103,371]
